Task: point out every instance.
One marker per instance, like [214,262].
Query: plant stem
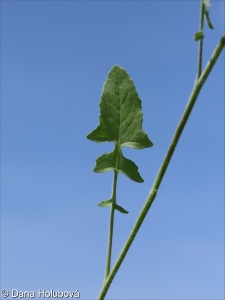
[109,253]
[200,47]
[193,97]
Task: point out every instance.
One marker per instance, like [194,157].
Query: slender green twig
[193,97]
[200,47]
[109,253]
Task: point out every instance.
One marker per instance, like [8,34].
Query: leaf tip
[105,203]
[121,209]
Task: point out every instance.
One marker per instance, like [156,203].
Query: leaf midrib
[118,145]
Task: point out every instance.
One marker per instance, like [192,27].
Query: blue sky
[55,57]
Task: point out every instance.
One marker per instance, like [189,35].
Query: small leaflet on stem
[199,35]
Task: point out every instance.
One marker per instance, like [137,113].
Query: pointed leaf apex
[121,209]
[120,113]
[105,203]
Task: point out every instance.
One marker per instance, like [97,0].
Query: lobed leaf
[120,113]
[116,161]
[120,121]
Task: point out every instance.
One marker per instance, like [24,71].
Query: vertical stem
[109,253]
[200,47]
[193,97]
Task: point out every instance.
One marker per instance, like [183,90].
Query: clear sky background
[55,57]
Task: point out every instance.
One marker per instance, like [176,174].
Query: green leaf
[120,113]
[109,202]
[198,35]
[120,122]
[121,209]
[208,19]
[105,203]
[116,161]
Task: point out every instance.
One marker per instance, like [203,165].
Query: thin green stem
[200,47]
[109,253]
[193,97]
